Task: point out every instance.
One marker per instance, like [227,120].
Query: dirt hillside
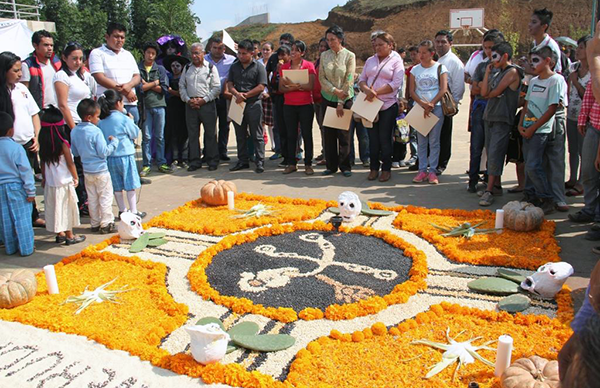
[411,21]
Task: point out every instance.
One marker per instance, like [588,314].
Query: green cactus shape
[510,275]
[139,244]
[156,235]
[243,328]
[375,212]
[264,343]
[207,320]
[156,242]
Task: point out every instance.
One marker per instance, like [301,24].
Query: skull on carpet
[130,227]
[349,205]
[548,280]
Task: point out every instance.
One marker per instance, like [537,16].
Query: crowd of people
[521,110]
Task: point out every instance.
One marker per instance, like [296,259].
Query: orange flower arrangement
[400,293]
[509,248]
[197,217]
[349,360]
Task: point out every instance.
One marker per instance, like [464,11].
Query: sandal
[39,223]
[574,192]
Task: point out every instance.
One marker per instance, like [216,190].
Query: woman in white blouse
[72,83]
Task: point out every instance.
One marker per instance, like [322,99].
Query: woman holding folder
[381,79]
[428,83]
[336,75]
[297,79]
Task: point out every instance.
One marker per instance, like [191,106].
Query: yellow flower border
[217,220]
[546,244]
[307,359]
[400,293]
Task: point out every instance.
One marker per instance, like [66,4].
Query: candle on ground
[499,220]
[503,355]
[230,200]
[51,279]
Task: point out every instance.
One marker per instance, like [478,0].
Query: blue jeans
[363,141]
[433,141]
[154,127]
[477,143]
[534,150]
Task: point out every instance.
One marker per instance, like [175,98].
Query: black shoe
[212,168]
[327,172]
[110,228]
[580,217]
[414,167]
[60,239]
[239,166]
[225,158]
[472,188]
[440,170]
[592,235]
[194,168]
[145,181]
[95,229]
[260,168]
[75,240]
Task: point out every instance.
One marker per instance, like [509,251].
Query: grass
[364,7]
[254,31]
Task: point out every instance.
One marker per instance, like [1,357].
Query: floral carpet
[354,300]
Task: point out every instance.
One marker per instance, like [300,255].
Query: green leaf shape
[207,320]
[491,285]
[156,235]
[140,244]
[376,213]
[157,242]
[265,342]
[244,328]
[510,275]
[334,210]
[514,303]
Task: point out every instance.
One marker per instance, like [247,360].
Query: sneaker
[140,214]
[290,169]
[347,174]
[145,171]
[396,164]
[110,228]
[413,167]
[366,164]
[412,161]
[580,217]
[561,206]
[320,157]
[433,179]
[275,156]
[308,170]
[486,199]
[299,156]
[327,172]
[596,250]
[421,176]
[182,164]
[282,165]
[592,235]
[497,191]
[403,163]
[472,188]
[75,240]
[165,169]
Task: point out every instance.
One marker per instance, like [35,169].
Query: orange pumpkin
[17,288]
[214,193]
[522,216]
[532,372]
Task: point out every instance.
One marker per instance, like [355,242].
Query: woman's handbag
[449,106]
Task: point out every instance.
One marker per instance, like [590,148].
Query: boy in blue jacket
[87,142]
[17,192]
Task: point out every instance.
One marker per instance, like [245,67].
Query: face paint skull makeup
[496,57]
[535,61]
[130,227]
[548,280]
[349,205]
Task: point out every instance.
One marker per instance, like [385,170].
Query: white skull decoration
[349,205]
[548,280]
[130,227]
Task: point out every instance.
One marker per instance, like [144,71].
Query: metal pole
[594,16]
[15,8]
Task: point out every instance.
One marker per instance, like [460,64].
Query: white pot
[208,343]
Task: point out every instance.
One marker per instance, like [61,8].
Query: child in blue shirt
[536,124]
[17,192]
[87,142]
[121,163]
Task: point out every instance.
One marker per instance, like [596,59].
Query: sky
[218,14]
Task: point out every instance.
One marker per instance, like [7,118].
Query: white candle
[51,279]
[230,200]
[499,220]
[503,355]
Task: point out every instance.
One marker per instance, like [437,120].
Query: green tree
[67,18]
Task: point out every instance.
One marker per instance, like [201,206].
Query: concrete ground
[170,191]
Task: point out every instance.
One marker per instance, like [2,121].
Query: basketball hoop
[465,24]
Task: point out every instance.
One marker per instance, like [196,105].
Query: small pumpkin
[16,288]
[522,216]
[214,193]
[532,372]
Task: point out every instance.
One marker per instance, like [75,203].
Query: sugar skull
[208,342]
[130,227]
[349,205]
[548,280]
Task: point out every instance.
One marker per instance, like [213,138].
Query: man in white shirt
[39,69]
[456,84]
[113,67]
[538,28]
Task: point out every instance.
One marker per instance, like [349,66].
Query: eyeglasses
[71,44]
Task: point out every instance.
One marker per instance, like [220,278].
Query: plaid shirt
[590,109]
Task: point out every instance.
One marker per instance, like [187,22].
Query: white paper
[236,111]
[366,109]
[423,125]
[51,281]
[331,119]
[230,200]
[228,41]
[499,220]
[297,76]
[503,355]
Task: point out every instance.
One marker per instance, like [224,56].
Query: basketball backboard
[466,18]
